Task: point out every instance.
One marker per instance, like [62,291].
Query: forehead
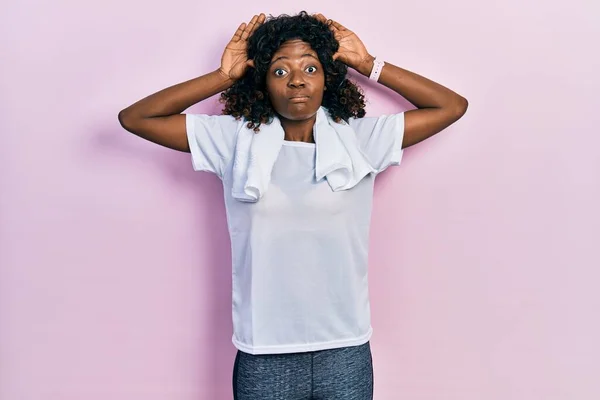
[294,49]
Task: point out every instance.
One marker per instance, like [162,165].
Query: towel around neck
[339,158]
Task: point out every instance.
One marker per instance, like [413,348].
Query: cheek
[320,82]
[273,88]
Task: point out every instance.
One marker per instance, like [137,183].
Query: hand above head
[234,61]
[352,51]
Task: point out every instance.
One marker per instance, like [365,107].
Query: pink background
[114,254]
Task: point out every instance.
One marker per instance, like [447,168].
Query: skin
[296,70]
[159,117]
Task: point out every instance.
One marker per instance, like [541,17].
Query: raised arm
[438,106]
[158,117]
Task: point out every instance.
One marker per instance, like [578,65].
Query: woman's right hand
[234,61]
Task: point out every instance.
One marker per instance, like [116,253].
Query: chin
[299,114]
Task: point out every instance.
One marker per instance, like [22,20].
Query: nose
[296,80]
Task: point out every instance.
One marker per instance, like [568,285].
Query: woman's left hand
[352,51]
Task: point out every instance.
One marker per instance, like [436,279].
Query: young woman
[298,160]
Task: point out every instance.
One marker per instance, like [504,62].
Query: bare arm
[158,117]
[438,106]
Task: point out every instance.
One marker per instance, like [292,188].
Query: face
[295,81]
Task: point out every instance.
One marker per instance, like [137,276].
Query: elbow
[455,108]
[125,119]
[460,106]
[121,118]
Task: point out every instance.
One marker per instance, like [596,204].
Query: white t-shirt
[300,253]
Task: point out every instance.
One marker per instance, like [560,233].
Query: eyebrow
[303,55]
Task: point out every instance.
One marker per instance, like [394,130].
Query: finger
[329,23]
[238,34]
[259,21]
[320,17]
[337,25]
[250,63]
[249,27]
[336,56]
[324,20]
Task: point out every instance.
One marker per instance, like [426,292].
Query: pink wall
[114,254]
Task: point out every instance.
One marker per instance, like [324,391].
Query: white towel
[339,158]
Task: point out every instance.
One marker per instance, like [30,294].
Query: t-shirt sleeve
[212,141]
[380,139]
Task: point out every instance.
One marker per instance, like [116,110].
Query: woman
[298,159]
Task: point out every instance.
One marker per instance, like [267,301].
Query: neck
[299,131]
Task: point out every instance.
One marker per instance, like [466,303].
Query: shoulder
[226,124]
[386,122]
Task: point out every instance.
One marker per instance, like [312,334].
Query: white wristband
[376,71]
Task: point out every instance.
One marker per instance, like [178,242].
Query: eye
[278,70]
[314,69]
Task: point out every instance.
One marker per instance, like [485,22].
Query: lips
[299,99]
[299,96]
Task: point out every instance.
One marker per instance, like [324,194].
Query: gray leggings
[337,374]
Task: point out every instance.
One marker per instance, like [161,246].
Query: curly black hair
[247,97]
